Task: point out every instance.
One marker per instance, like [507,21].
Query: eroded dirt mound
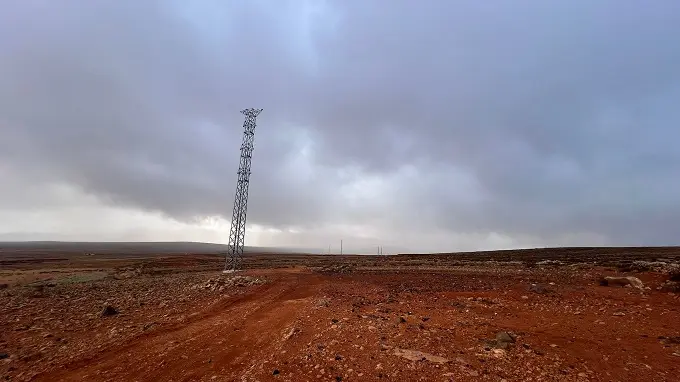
[225,282]
[336,268]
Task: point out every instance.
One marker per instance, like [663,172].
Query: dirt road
[222,342]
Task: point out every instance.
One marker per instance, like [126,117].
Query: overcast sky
[430,125]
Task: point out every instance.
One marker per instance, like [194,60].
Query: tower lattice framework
[237,234]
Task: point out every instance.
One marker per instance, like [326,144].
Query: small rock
[503,340]
[622,281]
[538,289]
[108,310]
[415,355]
[505,337]
[670,286]
[276,372]
[670,340]
[618,314]
[4,355]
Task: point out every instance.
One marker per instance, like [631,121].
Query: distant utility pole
[340,247]
[237,234]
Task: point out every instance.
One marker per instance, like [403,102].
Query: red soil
[303,325]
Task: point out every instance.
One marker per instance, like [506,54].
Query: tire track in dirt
[224,343]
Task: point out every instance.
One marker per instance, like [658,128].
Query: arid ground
[531,315]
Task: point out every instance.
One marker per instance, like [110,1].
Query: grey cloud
[534,91]
[122,100]
[525,118]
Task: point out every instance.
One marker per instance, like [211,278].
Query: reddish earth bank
[506,316]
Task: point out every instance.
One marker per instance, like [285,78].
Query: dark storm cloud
[562,115]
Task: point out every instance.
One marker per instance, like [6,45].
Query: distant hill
[128,247]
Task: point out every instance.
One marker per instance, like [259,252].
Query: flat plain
[523,315]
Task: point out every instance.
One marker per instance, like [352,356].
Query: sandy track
[222,342]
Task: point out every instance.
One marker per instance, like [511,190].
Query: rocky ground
[410,318]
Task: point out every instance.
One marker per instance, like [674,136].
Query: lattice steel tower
[237,234]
